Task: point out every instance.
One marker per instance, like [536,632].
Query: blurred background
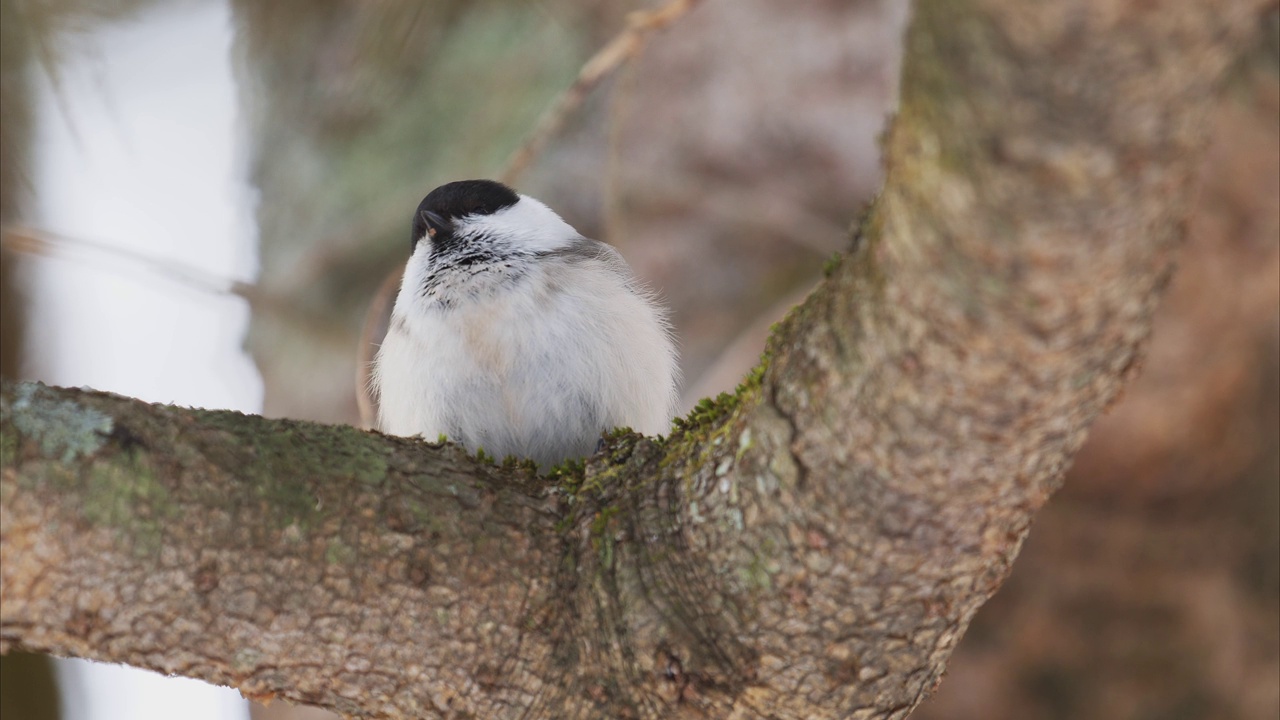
[200,200]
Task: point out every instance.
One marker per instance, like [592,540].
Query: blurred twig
[42,243]
[622,48]
[34,242]
[614,227]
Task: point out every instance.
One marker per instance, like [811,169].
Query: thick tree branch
[927,399]
[813,547]
[264,554]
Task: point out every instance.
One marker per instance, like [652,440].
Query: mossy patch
[832,264]
[9,443]
[126,494]
[711,411]
[602,534]
[271,456]
[120,491]
[569,475]
[338,552]
[755,575]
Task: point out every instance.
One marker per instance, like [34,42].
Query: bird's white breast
[537,368]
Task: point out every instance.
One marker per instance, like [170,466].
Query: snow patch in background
[136,149]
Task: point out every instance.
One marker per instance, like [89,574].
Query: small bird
[514,334]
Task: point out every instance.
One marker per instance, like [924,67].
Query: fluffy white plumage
[515,334]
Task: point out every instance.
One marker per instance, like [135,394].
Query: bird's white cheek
[415,276]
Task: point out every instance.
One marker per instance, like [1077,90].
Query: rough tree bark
[813,547]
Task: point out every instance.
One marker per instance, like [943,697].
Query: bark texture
[813,547]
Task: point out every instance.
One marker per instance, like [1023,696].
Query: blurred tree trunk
[28,688]
[814,546]
[15,143]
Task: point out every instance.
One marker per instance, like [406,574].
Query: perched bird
[514,334]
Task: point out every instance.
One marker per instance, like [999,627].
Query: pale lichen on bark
[62,427]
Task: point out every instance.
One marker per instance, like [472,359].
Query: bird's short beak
[436,224]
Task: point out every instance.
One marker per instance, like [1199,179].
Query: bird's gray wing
[584,250]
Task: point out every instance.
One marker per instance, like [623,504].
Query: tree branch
[814,546]
[281,557]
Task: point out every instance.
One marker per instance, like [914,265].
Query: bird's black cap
[442,206]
